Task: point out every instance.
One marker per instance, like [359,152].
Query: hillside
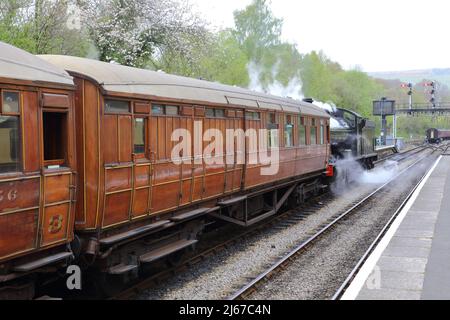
[415,76]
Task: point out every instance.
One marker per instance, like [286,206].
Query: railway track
[340,292]
[281,264]
[402,155]
[288,217]
[282,221]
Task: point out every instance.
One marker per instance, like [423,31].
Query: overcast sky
[377,35]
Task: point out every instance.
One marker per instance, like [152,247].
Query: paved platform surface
[415,263]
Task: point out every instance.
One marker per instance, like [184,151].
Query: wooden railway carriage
[130,186]
[37,168]
[437,135]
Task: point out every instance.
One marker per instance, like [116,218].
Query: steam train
[437,135]
[352,137]
[89,176]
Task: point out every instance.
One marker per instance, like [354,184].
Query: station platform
[412,261]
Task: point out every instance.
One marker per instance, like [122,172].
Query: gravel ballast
[317,273]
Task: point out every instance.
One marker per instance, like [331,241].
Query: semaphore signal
[432,92]
[410,92]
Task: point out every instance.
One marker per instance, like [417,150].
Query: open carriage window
[9,132]
[55,137]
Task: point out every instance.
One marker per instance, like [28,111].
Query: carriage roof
[17,64]
[115,78]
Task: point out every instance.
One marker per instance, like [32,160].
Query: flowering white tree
[139,32]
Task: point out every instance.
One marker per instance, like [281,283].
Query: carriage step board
[132,233]
[42,262]
[231,201]
[122,268]
[166,250]
[190,215]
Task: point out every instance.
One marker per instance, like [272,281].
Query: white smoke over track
[350,171]
[292,90]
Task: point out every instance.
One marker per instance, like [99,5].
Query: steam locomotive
[352,137]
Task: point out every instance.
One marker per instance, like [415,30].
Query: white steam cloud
[329,106]
[292,90]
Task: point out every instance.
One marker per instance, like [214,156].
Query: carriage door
[142,161]
[58,179]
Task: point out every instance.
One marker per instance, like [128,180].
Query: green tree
[356,91]
[41,26]
[15,28]
[218,57]
[257,29]
[258,33]
[225,62]
[317,73]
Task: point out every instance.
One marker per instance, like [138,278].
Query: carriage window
[272,130]
[157,109]
[322,134]
[10,102]
[301,131]
[220,113]
[9,142]
[139,135]
[215,113]
[209,113]
[288,127]
[313,132]
[171,110]
[55,137]
[249,115]
[117,106]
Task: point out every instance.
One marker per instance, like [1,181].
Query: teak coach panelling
[35,195]
[119,187]
[88,154]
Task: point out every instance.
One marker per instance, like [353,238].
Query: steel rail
[377,240]
[340,292]
[380,236]
[318,201]
[402,155]
[250,287]
[151,280]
